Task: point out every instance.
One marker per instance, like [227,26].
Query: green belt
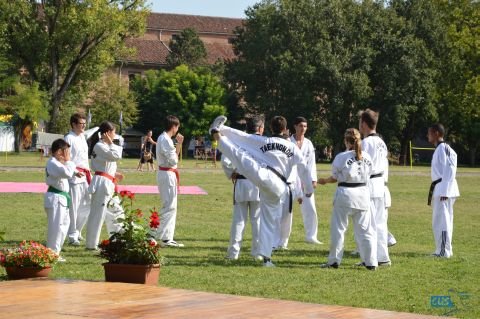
[52,189]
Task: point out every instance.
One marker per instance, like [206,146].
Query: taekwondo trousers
[272,191]
[379,221]
[58,219]
[363,230]
[79,210]
[102,190]
[167,187]
[241,211]
[310,218]
[442,225]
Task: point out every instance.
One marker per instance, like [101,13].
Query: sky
[216,8]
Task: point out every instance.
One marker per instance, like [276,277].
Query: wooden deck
[44,298]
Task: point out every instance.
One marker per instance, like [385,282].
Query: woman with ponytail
[104,155]
[351,169]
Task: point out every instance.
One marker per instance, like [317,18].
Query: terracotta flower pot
[27,272]
[135,274]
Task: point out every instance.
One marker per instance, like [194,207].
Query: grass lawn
[203,224]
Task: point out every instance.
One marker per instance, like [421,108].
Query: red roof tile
[202,24]
[148,51]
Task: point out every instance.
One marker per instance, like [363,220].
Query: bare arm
[323,181]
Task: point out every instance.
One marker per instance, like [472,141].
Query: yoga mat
[13,187]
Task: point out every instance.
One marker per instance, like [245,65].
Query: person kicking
[266,162]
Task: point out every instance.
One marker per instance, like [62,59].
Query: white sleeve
[336,169]
[449,159]
[312,165]
[110,152]
[227,166]
[304,173]
[168,151]
[59,170]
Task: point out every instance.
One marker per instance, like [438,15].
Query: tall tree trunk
[473,153]
[52,126]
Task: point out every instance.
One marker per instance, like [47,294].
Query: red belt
[171,169]
[110,177]
[87,173]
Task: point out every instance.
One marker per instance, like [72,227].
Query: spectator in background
[146,153]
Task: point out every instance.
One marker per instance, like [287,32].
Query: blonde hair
[352,136]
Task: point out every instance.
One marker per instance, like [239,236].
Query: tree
[64,44]
[29,105]
[459,82]
[187,49]
[404,71]
[109,98]
[303,58]
[196,98]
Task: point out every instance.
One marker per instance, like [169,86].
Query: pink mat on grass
[13,187]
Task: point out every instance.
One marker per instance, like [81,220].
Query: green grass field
[203,225]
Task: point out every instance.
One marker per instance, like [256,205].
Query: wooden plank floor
[44,298]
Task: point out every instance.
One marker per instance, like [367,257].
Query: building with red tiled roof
[152,49]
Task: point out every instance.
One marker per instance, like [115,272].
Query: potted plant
[132,251]
[29,259]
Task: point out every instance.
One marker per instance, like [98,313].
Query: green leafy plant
[135,242]
[28,254]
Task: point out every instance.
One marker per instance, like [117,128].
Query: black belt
[376,175]
[290,195]
[238,176]
[351,184]
[430,192]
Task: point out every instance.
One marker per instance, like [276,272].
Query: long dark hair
[105,127]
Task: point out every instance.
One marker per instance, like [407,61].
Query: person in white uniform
[266,162]
[168,179]
[443,191]
[57,199]
[246,201]
[309,211]
[80,208]
[351,169]
[285,223]
[391,241]
[104,156]
[374,146]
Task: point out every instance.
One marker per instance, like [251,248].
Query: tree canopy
[187,48]
[196,97]
[65,44]
[326,60]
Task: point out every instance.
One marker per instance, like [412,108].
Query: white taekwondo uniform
[308,209]
[374,146]
[444,184]
[80,208]
[352,198]
[266,162]
[104,161]
[56,201]
[246,202]
[167,180]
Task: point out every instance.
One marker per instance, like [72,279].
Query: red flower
[154,220]
[131,195]
[123,193]
[153,243]
[138,212]
[105,242]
